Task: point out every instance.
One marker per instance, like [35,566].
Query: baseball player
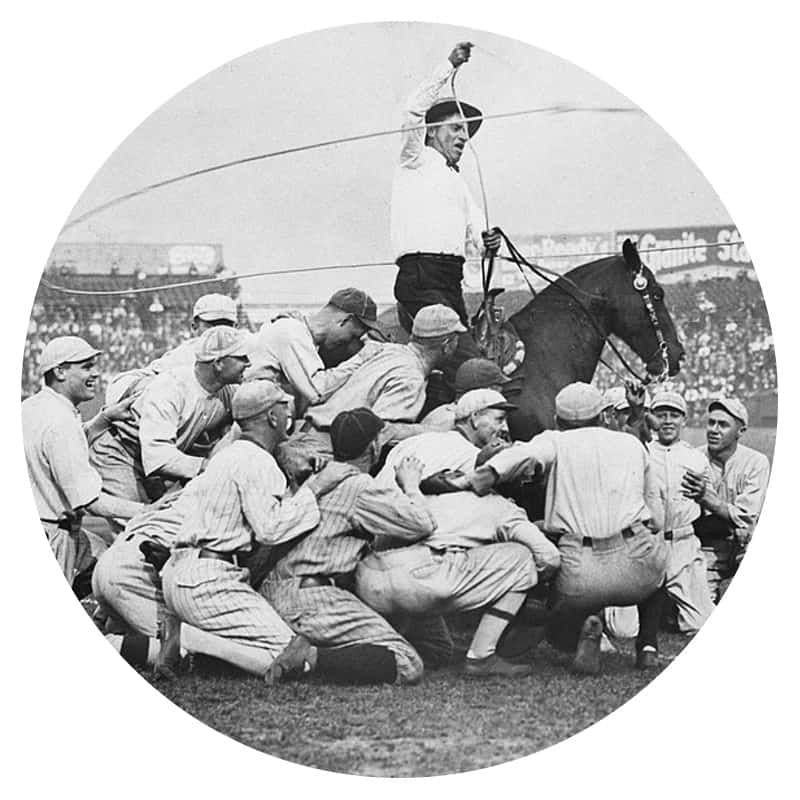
[732,499]
[64,483]
[393,382]
[474,373]
[127,585]
[238,501]
[209,311]
[176,408]
[310,586]
[289,348]
[484,551]
[597,485]
[670,458]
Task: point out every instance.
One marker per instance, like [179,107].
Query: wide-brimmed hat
[448,106]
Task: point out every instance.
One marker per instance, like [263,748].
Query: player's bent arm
[524,459]
[417,104]
[118,507]
[392,513]
[276,519]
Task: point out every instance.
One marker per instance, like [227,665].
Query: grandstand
[722,321]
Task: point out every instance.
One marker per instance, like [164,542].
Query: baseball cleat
[494,666]
[291,663]
[647,658]
[587,656]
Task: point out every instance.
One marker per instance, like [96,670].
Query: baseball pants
[332,617]
[122,474]
[216,597]
[687,582]
[74,552]
[615,571]
[419,581]
[130,588]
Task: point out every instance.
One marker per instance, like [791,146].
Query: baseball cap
[357,303]
[666,399]
[579,401]
[65,350]
[352,431]
[211,307]
[479,400]
[478,373]
[733,406]
[255,397]
[220,342]
[436,320]
[448,106]
[615,398]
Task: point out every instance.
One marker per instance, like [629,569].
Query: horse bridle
[640,284]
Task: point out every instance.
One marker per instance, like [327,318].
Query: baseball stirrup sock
[493,622]
[135,648]
[357,664]
[650,611]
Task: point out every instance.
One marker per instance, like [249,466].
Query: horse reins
[640,284]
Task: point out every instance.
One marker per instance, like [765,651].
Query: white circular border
[718,80]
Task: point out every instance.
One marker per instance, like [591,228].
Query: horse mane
[560,293]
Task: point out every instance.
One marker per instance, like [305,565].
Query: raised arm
[421,99]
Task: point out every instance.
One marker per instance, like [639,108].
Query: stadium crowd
[728,343]
[727,339]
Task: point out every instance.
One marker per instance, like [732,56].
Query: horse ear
[631,255]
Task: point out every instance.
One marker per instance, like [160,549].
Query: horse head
[639,316]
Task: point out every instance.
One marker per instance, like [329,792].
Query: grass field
[446,724]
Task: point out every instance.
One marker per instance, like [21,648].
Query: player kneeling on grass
[611,554]
[311,584]
[484,551]
[238,501]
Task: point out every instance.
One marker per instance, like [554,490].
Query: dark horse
[562,345]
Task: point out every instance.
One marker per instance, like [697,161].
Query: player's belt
[679,533]
[235,558]
[625,533]
[344,580]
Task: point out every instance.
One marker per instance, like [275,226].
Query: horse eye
[658,294]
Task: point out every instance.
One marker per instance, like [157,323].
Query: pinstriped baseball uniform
[239,499]
[350,515]
[686,580]
[61,477]
[170,415]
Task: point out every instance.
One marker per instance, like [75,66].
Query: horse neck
[568,345]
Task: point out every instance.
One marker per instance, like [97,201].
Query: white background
[80,76]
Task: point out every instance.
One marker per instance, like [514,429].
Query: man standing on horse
[435,222]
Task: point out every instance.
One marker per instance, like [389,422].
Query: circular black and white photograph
[399,399]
